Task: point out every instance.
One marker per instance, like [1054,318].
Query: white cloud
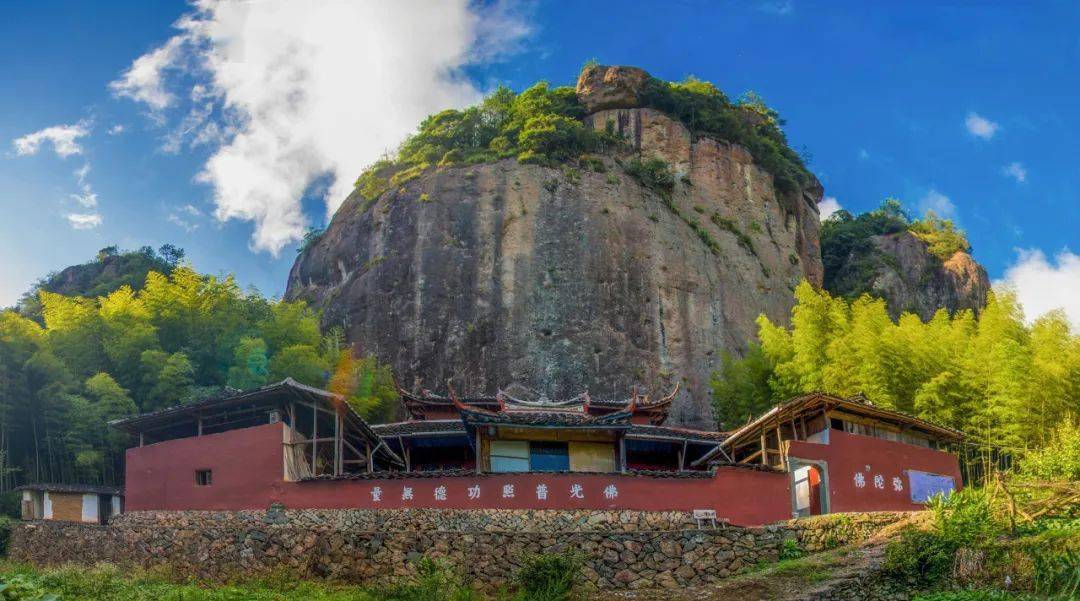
[828,206]
[144,80]
[1042,285]
[186,217]
[86,197]
[1016,171]
[84,221]
[980,126]
[937,202]
[303,90]
[63,138]
[117,129]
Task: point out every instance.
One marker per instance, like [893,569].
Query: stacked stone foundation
[619,549]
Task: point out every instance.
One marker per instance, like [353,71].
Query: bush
[548,577]
[434,581]
[920,556]
[654,174]
[790,549]
[964,519]
[5,534]
[941,235]
[1057,575]
[1060,458]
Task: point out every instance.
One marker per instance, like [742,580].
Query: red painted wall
[853,458]
[247,474]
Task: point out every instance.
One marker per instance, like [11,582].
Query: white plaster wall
[90,508]
[115,505]
[47,505]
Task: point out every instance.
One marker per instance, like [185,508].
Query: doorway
[809,487]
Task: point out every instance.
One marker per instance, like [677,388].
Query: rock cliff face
[557,281]
[911,279]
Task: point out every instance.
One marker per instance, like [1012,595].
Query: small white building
[86,503]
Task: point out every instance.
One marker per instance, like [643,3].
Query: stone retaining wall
[619,549]
[823,532]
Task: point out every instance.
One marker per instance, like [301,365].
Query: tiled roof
[94,489]
[419,426]
[284,390]
[455,426]
[457,473]
[565,419]
[648,431]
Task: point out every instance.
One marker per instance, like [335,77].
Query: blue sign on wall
[924,485]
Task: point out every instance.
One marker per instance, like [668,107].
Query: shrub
[790,549]
[548,577]
[311,236]
[434,581]
[5,534]
[654,174]
[1057,574]
[941,236]
[1060,458]
[921,556]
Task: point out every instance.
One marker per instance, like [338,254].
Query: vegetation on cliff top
[540,125]
[1001,381]
[110,269]
[850,257]
[543,124]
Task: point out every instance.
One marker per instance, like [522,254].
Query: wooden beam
[314,439]
[751,457]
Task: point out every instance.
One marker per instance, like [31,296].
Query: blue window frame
[549,456]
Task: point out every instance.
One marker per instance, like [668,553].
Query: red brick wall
[853,458]
[247,474]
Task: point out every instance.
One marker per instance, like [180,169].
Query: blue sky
[968,107]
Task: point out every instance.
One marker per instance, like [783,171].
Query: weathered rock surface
[557,281]
[911,279]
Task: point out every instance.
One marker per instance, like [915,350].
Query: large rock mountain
[555,281]
[902,271]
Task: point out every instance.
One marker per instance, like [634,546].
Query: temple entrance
[809,487]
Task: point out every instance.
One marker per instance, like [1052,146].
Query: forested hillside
[1000,380]
[110,269]
[87,360]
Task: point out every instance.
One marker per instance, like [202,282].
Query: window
[837,424]
[509,456]
[202,477]
[549,457]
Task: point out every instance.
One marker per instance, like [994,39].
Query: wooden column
[337,443]
[314,437]
[622,454]
[479,455]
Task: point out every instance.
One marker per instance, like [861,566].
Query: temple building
[307,448]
